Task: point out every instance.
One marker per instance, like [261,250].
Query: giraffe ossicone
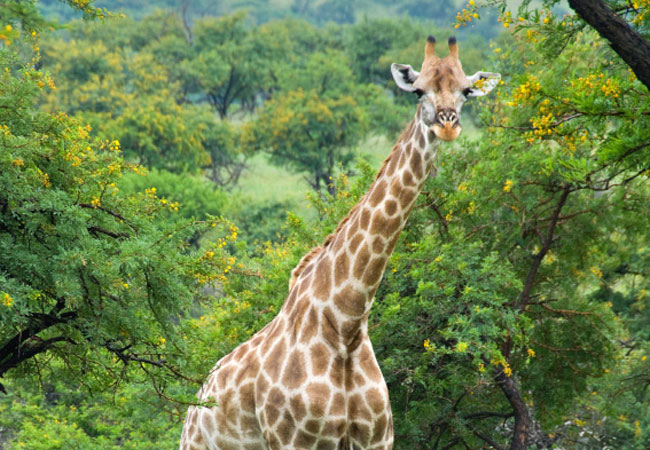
[309,379]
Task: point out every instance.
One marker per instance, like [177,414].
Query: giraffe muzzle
[446,125]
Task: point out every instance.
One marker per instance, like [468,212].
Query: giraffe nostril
[447,116]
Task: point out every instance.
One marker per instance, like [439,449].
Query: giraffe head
[443,88]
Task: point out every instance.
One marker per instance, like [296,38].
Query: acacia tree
[93,282]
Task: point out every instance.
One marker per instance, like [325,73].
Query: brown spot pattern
[341,268]
[273,363]
[416,165]
[298,407]
[377,194]
[320,358]
[374,271]
[391,207]
[310,327]
[318,395]
[328,324]
[350,301]
[294,374]
[362,261]
[323,279]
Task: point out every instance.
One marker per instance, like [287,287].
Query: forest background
[165,166]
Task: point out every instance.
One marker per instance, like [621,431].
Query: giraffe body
[309,379]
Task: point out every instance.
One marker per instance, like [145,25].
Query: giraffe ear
[404,76]
[482,83]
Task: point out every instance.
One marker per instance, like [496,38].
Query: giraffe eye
[466,92]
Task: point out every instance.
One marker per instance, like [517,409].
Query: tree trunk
[523,424]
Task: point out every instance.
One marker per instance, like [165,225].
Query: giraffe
[309,379]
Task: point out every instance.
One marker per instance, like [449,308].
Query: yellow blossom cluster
[506,18]
[594,82]
[525,91]
[532,35]
[596,271]
[428,346]
[7,34]
[642,9]
[507,187]
[543,124]
[7,300]
[507,370]
[240,306]
[45,178]
[138,169]
[469,12]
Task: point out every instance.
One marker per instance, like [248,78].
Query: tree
[308,133]
[230,70]
[142,97]
[89,277]
[624,25]
[547,204]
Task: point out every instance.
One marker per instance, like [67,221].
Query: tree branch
[95,230]
[546,246]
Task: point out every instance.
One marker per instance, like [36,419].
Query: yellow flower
[7,300]
[531,352]
[507,371]
[596,271]
[508,185]
[126,285]
[461,347]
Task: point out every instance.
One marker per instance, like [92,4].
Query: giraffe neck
[343,275]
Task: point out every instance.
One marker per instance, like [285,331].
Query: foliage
[123,275]
[133,96]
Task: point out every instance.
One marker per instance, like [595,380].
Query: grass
[266,183]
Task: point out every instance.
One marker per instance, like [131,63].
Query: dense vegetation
[132,255]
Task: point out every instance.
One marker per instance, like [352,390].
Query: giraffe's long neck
[345,273]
